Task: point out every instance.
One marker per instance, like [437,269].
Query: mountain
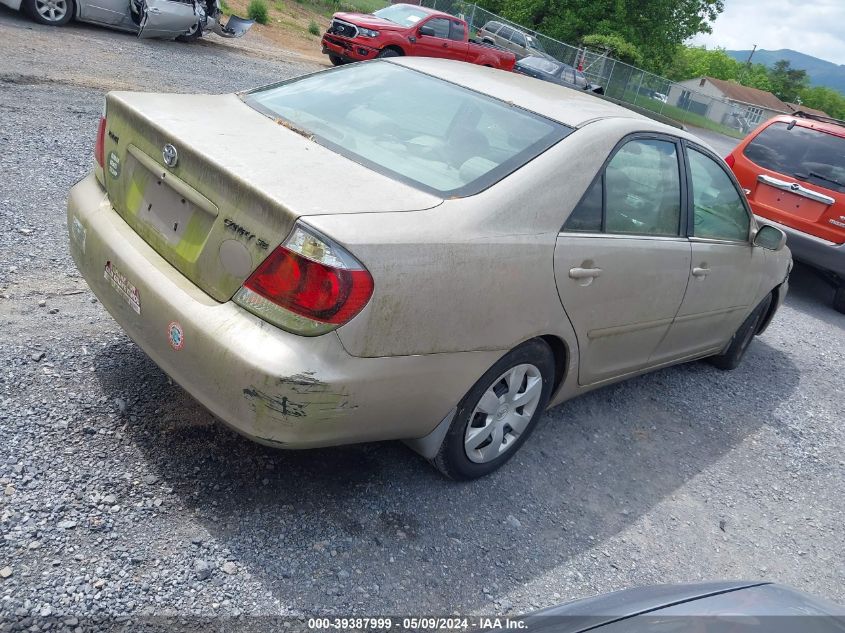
[820,72]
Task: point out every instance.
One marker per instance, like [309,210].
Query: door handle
[444,45]
[700,272]
[584,273]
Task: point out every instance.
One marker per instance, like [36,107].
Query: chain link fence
[629,85]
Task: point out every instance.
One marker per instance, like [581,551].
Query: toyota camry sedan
[415,249]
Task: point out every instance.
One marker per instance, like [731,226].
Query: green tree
[821,98]
[787,82]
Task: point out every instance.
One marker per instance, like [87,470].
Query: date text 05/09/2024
[423,623]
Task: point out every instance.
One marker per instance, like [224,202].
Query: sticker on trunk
[175,335]
[121,284]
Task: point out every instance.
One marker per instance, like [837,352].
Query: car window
[518,39]
[643,189]
[802,153]
[718,209]
[422,130]
[534,44]
[401,14]
[492,27]
[440,26]
[541,64]
[506,32]
[458,31]
[586,216]
[568,74]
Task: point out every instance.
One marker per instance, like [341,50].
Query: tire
[733,354]
[839,299]
[50,12]
[336,60]
[481,438]
[192,35]
[388,52]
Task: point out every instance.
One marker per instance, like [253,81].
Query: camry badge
[170,155]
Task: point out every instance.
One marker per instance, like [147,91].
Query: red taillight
[311,289]
[730,160]
[100,145]
[309,285]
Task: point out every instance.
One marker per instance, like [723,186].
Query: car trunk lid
[214,186]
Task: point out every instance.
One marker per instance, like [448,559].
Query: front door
[104,11]
[621,261]
[726,268]
[436,43]
[166,18]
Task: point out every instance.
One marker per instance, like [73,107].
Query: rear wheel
[49,12]
[732,356]
[499,413]
[336,60]
[388,52]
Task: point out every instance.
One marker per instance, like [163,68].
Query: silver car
[168,19]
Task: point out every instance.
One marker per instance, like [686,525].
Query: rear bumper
[270,385]
[348,50]
[812,250]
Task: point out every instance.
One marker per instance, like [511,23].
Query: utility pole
[747,64]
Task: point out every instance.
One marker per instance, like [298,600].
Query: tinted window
[643,189]
[458,32]
[440,26]
[401,14]
[420,129]
[718,209]
[492,27]
[587,214]
[801,153]
[518,38]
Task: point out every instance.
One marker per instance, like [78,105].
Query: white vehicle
[168,19]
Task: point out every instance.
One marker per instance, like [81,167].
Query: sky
[814,27]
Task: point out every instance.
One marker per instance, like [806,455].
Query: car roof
[573,108]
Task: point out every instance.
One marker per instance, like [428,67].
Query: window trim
[683,175]
[690,232]
[448,26]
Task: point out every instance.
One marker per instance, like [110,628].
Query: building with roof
[795,107]
[727,102]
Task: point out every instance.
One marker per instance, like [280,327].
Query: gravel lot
[119,496]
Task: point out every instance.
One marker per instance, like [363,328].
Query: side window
[458,32]
[586,216]
[518,39]
[568,75]
[505,33]
[643,189]
[492,27]
[718,209]
[440,26]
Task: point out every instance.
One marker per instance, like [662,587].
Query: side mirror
[425,29]
[770,237]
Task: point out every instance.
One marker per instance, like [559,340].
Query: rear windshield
[535,44]
[541,64]
[401,14]
[803,153]
[419,129]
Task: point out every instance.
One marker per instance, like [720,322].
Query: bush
[224,8]
[314,28]
[257,11]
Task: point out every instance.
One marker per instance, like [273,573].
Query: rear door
[622,259]
[726,268]
[166,18]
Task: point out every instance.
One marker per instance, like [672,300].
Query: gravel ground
[119,496]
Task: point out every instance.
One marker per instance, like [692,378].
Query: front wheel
[336,60]
[499,413]
[388,52]
[734,352]
[839,299]
[49,12]
[194,33]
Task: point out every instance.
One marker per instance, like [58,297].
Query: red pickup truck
[406,29]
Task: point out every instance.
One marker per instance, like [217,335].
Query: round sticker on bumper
[175,335]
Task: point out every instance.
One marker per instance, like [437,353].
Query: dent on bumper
[812,250]
[270,385]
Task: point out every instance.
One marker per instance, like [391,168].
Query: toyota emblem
[170,155]
[794,186]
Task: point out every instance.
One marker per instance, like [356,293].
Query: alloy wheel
[52,10]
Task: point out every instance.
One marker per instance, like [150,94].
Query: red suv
[793,171]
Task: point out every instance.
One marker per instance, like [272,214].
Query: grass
[225,8]
[314,28]
[257,10]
